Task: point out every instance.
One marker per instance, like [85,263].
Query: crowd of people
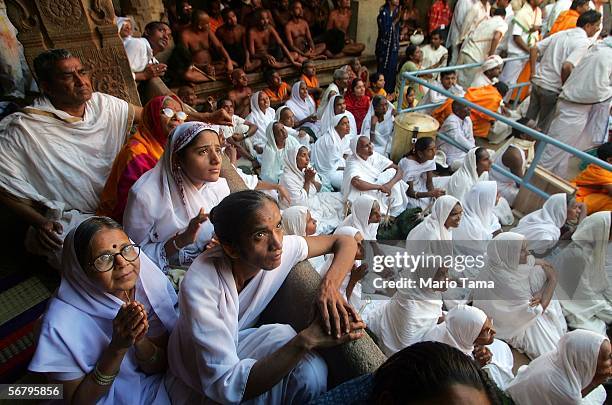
[166,268]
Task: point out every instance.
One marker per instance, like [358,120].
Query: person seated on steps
[336,37]
[278,91]
[141,51]
[309,76]
[241,93]
[265,44]
[298,35]
[233,37]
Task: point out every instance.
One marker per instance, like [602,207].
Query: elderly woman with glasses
[104,335]
[140,153]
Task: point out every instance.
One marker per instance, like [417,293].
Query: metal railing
[543,139]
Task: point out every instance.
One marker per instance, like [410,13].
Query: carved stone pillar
[87,29]
[143,11]
[364,16]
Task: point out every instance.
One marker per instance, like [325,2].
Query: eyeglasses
[170,113]
[106,262]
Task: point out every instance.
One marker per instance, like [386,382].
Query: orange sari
[485,96]
[565,21]
[589,184]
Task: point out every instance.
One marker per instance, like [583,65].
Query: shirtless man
[198,38]
[266,45]
[240,93]
[232,35]
[298,35]
[339,20]
[281,13]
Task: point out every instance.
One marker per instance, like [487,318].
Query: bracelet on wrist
[174,242]
[103,379]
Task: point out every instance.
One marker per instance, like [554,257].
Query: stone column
[366,29]
[87,29]
[143,11]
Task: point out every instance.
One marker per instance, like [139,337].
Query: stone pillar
[366,29]
[87,29]
[143,11]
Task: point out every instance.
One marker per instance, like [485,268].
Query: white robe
[506,186]
[327,119]
[139,53]
[558,377]
[163,201]
[325,98]
[384,129]
[374,170]
[582,266]
[462,132]
[78,326]
[215,342]
[416,173]
[261,119]
[360,216]
[462,8]
[433,96]
[302,137]
[326,207]
[61,162]
[303,109]
[294,223]
[461,326]
[273,159]
[541,228]
[328,153]
[413,312]
[531,330]
[432,56]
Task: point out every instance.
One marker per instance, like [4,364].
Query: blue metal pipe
[423,107]
[461,67]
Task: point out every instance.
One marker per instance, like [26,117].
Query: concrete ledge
[325,70]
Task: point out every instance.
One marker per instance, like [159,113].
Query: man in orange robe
[567,19]
[489,97]
[594,184]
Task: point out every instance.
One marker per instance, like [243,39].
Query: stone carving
[87,29]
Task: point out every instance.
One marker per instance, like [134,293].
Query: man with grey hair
[338,86]
[56,154]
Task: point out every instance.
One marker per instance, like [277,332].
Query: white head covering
[367,170]
[327,119]
[558,377]
[272,162]
[359,217]
[545,223]
[121,22]
[78,324]
[330,148]
[479,220]
[460,328]
[301,108]
[491,62]
[432,227]
[164,200]
[294,220]
[293,177]
[592,235]
[464,179]
[260,118]
[367,120]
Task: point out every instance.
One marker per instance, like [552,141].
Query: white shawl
[464,179]
[367,170]
[460,328]
[293,178]
[78,325]
[294,220]
[163,201]
[384,129]
[541,228]
[327,120]
[479,220]
[360,216]
[260,119]
[301,108]
[508,302]
[432,227]
[272,161]
[558,377]
[292,132]
[329,150]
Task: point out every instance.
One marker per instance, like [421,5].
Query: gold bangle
[103,379]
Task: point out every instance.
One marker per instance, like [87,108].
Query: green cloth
[418,89]
[399,227]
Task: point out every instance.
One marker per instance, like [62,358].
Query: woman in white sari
[365,216]
[329,151]
[471,331]
[417,170]
[542,228]
[572,373]
[261,115]
[369,172]
[413,312]
[336,106]
[273,157]
[378,124]
[476,168]
[303,107]
[584,270]
[167,208]
[522,303]
[304,187]
[105,331]
[297,220]
[217,351]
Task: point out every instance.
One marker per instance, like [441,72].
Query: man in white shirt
[448,80]
[141,51]
[434,54]
[458,126]
[583,109]
[560,53]
[462,8]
